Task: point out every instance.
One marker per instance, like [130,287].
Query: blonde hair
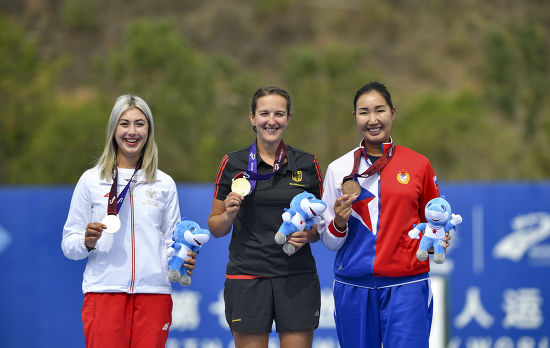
[108,159]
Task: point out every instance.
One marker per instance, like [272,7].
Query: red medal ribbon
[374,168]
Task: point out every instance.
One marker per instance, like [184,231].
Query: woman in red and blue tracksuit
[382,291]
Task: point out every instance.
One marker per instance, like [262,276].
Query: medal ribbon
[374,168]
[252,172]
[114,204]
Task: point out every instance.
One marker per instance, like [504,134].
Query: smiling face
[374,118]
[270,118]
[131,136]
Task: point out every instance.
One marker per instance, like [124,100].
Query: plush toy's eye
[443,207]
[193,229]
[310,198]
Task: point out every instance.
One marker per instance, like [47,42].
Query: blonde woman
[121,218]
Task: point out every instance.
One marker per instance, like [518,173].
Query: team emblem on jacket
[151,193]
[297,176]
[403,177]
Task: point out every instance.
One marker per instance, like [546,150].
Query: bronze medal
[351,187]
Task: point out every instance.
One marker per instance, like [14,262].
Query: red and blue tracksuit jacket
[375,249]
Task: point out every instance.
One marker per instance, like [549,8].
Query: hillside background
[470,80]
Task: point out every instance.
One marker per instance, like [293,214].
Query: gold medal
[351,187]
[241,186]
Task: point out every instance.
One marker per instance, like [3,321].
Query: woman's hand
[93,233]
[223,213]
[446,240]
[342,210]
[298,239]
[444,243]
[190,262]
[232,204]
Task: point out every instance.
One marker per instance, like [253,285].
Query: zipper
[133,240]
[379,203]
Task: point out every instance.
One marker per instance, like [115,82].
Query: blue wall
[493,290]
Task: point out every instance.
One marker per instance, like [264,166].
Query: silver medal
[112,222]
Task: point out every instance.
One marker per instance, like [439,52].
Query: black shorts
[293,302]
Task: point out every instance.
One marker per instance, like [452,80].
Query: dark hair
[373,86]
[270,90]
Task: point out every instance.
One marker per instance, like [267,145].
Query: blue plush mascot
[304,212]
[188,236]
[440,221]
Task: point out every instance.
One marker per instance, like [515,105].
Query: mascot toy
[440,221]
[303,214]
[187,236]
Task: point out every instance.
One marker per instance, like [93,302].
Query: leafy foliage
[26,93]
[80,15]
[518,73]
[469,81]
[184,89]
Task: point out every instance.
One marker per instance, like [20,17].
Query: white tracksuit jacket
[134,259]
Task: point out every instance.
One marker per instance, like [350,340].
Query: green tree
[459,136]
[517,74]
[190,95]
[322,84]
[69,143]
[27,92]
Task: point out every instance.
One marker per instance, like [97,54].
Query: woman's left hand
[298,239]
[445,243]
[446,240]
[190,262]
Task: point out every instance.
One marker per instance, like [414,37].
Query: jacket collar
[385,146]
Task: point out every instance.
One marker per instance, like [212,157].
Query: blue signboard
[500,280]
[492,291]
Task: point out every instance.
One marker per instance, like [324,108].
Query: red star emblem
[361,207]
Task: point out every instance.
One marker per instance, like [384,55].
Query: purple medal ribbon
[251,174]
[112,208]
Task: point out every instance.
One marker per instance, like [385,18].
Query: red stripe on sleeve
[319,175]
[332,229]
[221,167]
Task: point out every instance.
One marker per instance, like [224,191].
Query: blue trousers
[399,316]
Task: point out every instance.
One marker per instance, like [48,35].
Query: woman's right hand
[223,213]
[342,210]
[93,233]
[232,204]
